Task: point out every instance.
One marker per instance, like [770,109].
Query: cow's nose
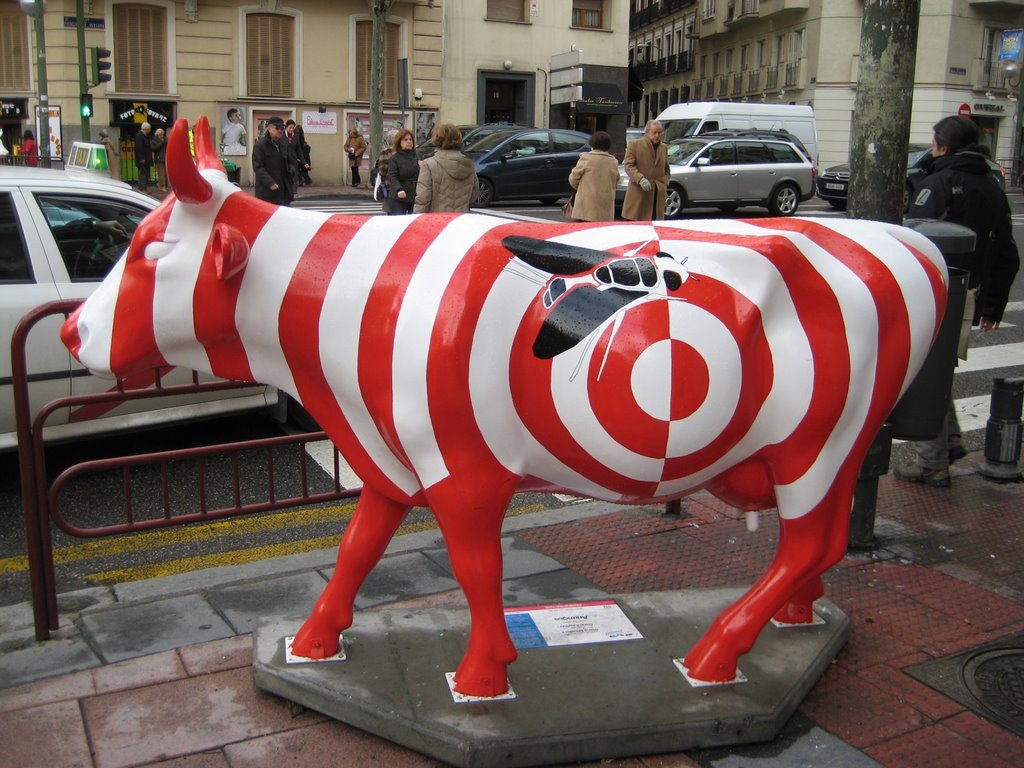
[69,333]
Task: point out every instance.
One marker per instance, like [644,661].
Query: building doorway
[505,97]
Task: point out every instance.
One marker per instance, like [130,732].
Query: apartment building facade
[807,52]
[240,63]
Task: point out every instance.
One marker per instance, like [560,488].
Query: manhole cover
[988,680]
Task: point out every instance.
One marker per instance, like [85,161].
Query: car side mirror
[703,161]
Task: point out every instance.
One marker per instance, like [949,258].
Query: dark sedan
[526,164]
[834,182]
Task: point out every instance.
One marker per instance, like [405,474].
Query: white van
[698,117]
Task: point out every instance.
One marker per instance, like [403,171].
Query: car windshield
[681,152]
[490,141]
[677,129]
[916,154]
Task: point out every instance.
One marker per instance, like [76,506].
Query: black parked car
[834,182]
[470,134]
[526,164]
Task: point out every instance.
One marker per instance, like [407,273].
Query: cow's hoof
[795,613]
[710,669]
[312,643]
[475,680]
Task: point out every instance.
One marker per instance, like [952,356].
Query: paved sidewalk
[159,673]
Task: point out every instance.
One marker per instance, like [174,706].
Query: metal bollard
[1003,431]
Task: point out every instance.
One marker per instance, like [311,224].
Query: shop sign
[159,114]
[14,108]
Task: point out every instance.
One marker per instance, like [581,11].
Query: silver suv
[728,169]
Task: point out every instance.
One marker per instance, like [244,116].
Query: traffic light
[100,65]
[86,105]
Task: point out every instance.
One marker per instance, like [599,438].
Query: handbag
[567,208]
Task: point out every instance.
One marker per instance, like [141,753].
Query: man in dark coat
[143,155]
[960,189]
[272,165]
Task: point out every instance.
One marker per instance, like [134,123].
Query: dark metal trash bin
[233,172]
[920,413]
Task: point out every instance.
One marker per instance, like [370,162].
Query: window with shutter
[364,48]
[588,13]
[14,51]
[140,48]
[506,10]
[270,55]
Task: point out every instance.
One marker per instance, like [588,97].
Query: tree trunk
[881,122]
[380,9]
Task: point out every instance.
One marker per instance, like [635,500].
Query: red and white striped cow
[457,359]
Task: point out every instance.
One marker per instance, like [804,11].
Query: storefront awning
[602,99]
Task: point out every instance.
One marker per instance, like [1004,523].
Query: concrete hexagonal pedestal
[572,702]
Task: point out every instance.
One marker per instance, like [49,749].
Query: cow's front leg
[470,514]
[807,548]
[374,524]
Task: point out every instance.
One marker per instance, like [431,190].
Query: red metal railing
[40,498]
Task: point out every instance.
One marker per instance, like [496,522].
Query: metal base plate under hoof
[573,703]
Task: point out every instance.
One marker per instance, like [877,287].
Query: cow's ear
[555,258]
[229,251]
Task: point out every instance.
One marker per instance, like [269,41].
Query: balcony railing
[771,80]
[792,74]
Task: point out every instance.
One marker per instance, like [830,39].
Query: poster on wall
[260,118]
[426,121]
[360,123]
[48,125]
[234,139]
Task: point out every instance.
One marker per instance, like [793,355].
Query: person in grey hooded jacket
[447,180]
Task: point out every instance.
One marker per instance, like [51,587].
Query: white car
[60,233]
[730,169]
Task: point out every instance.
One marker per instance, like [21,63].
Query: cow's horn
[188,185]
[206,155]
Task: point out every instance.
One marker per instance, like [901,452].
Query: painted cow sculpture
[457,359]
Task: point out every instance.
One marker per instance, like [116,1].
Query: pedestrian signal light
[100,65]
[86,105]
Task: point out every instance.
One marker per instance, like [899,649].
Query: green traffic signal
[100,65]
[86,105]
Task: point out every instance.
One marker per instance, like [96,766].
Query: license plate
[835,186]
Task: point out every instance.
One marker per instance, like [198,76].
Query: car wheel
[784,201]
[486,196]
[675,201]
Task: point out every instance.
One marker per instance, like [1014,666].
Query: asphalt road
[99,499]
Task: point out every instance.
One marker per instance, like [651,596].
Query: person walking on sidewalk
[403,173]
[300,152]
[595,178]
[272,165]
[355,148]
[159,146]
[447,180]
[143,155]
[113,160]
[646,164]
[960,189]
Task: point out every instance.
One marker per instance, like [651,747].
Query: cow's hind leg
[469,509]
[807,548]
[375,521]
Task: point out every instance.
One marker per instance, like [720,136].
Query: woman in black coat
[403,172]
